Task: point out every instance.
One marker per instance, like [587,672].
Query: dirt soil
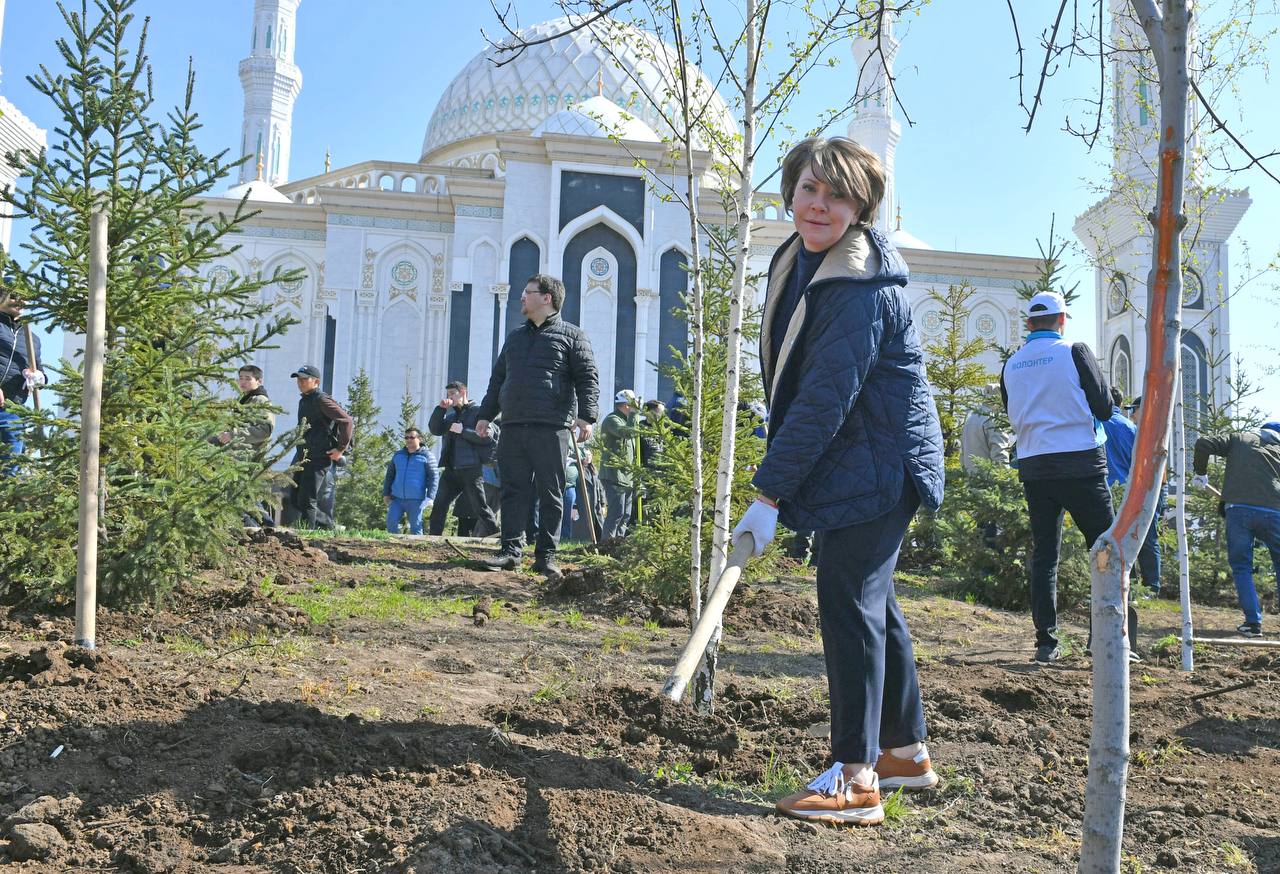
[349,705]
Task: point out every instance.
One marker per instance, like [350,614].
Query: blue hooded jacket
[851,414]
[411,476]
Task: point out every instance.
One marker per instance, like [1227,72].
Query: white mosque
[413,268]
[1117,234]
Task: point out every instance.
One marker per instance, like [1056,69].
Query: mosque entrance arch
[599,271]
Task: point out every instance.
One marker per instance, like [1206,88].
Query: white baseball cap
[626,396]
[1046,303]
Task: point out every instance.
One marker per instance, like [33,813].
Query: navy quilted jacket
[851,414]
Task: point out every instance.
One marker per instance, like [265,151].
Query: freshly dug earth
[354,705]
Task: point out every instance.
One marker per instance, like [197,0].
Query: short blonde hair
[850,169]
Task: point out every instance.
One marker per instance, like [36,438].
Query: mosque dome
[597,117]
[546,79]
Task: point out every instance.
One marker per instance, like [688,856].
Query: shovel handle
[743,548]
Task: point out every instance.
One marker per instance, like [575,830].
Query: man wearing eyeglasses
[410,484]
[543,383]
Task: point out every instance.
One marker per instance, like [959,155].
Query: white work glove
[761,522]
[33,379]
[1200,481]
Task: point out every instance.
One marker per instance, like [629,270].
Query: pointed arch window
[1122,366]
[268,45]
[1196,388]
[284,40]
[275,154]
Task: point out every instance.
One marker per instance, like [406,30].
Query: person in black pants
[327,434]
[1057,400]
[543,382]
[463,453]
[854,449]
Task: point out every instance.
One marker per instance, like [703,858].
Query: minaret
[17,132]
[1118,236]
[873,124]
[271,84]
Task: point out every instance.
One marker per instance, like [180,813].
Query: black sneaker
[506,560]
[1048,653]
[1250,629]
[546,565]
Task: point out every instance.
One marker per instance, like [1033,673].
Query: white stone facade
[391,250]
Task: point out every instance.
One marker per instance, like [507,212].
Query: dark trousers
[1149,556]
[531,463]
[465,485]
[1088,501]
[871,671]
[303,501]
[621,499]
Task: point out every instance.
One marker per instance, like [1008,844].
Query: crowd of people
[853,449]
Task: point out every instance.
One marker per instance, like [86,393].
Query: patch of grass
[345,534]
[785,643]
[1165,751]
[676,772]
[651,626]
[574,619]
[1234,857]
[186,645]
[381,598]
[1148,680]
[371,713]
[895,809]
[429,711]
[1071,645]
[129,642]
[1159,605]
[531,614]
[955,783]
[623,640]
[779,778]
[555,689]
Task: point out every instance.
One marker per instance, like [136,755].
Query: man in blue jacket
[1057,400]
[1121,433]
[410,483]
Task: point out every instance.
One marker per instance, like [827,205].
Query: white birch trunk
[1113,554]
[696,328]
[704,682]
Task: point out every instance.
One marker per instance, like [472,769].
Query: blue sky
[968,177]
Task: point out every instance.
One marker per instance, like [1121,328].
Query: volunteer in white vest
[1057,400]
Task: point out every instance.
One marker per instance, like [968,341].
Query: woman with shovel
[854,448]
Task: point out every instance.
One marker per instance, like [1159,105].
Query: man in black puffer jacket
[543,382]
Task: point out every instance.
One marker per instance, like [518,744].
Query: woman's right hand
[761,522]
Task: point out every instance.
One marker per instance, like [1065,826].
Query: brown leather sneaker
[913,773]
[830,798]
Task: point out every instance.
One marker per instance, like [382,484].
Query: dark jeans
[1149,556]
[11,442]
[1244,526]
[621,499]
[302,504]
[871,671]
[531,462]
[465,485]
[1088,501]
